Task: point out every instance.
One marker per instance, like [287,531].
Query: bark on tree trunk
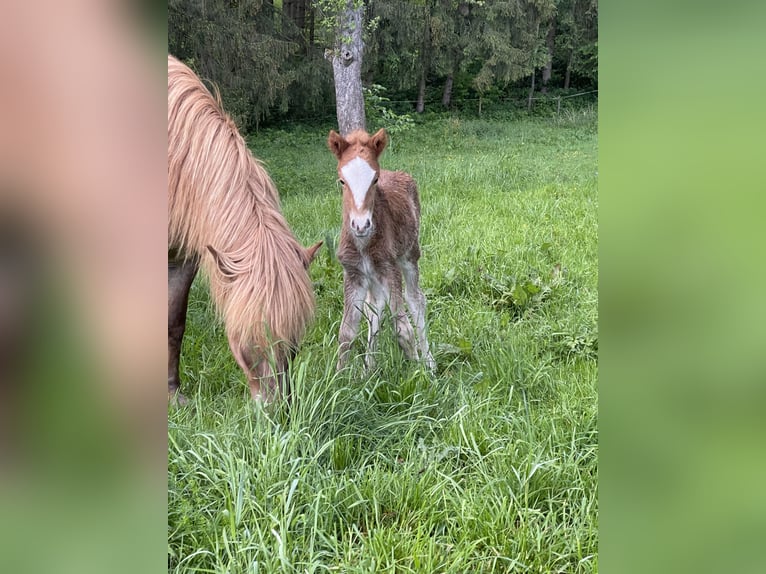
[447,96]
[347,70]
[531,91]
[550,40]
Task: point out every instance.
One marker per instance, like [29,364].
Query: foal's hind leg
[416,302]
[180,277]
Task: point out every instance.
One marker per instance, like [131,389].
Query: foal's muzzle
[361,225]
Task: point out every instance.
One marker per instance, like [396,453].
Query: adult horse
[224,215]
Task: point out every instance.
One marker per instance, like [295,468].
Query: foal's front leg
[375,305]
[404,332]
[416,302]
[354,291]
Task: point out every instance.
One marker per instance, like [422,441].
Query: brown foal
[379,245]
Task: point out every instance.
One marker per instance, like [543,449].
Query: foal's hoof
[176,399]
[261,400]
[263,396]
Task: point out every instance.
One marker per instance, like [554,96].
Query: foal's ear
[223,265]
[379,141]
[336,143]
[311,252]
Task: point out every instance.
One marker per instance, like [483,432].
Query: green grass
[489,466]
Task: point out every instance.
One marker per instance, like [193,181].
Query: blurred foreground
[82,288]
[682,309]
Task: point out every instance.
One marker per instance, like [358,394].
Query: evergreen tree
[577,40]
[268,58]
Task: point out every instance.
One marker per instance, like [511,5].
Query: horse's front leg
[180,277]
[354,292]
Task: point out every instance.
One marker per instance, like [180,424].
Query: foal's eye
[375,181]
[340,181]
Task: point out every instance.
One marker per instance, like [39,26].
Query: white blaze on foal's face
[359,176]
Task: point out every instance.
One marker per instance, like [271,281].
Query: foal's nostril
[360,225]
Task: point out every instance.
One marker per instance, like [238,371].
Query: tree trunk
[534,69]
[267,25]
[347,69]
[300,14]
[312,24]
[425,60]
[569,70]
[447,95]
[296,11]
[288,9]
[421,105]
[550,43]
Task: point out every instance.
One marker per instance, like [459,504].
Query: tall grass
[488,466]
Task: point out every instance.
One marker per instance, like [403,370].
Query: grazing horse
[224,215]
[378,246]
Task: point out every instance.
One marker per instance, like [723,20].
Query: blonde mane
[220,196]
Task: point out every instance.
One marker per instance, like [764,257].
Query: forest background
[270,58]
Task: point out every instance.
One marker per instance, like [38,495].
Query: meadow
[489,465]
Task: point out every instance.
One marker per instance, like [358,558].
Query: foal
[378,245]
